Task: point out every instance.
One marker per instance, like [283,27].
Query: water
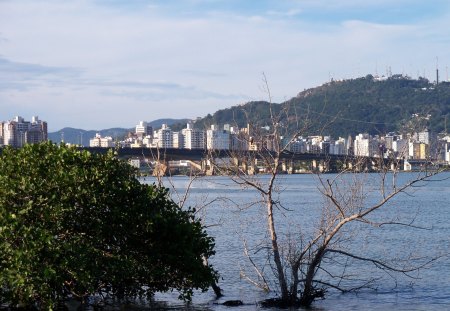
[235,216]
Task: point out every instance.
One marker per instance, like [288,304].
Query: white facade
[18,132]
[423,137]
[164,137]
[9,134]
[193,138]
[143,129]
[217,139]
[135,162]
[178,140]
[365,146]
[339,147]
[99,141]
[147,141]
[447,153]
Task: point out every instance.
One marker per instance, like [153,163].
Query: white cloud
[119,64]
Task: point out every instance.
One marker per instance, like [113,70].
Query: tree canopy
[75,224]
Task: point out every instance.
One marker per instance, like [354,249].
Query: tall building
[37,131]
[338,147]
[365,146]
[217,139]
[18,132]
[9,134]
[164,137]
[143,129]
[193,138]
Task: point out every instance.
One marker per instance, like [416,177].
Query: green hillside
[340,108]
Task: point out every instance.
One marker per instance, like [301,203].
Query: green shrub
[75,224]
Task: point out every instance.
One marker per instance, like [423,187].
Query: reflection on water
[234,215]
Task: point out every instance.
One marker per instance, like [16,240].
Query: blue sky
[97,64]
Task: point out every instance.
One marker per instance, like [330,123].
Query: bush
[75,224]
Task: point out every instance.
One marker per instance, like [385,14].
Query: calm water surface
[235,216]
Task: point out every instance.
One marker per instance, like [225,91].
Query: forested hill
[340,108]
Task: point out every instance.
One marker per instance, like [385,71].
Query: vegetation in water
[75,224]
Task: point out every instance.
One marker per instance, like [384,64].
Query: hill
[79,136]
[340,108]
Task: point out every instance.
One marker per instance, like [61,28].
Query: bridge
[201,159]
[248,160]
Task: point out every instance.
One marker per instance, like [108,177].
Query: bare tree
[349,198]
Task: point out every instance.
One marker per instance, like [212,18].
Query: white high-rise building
[193,138]
[143,129]
[9,133]
[338,147]
[217,139]
[178,140]
[164,137]
[365,146]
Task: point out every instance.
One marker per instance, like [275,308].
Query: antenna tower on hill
[437,70]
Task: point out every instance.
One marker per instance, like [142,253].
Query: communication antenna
[62,137]
[437,70]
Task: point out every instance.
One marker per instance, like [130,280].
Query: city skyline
[101,64]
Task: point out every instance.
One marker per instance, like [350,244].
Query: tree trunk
[276,251]
[309,293]
[294,285]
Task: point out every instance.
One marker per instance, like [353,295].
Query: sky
[98,64]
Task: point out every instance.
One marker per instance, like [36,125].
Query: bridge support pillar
[349,165]
[248,166]
[207,167]
[314,165]
[287,166]
[393,167]
[324,166]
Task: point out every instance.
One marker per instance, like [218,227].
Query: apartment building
[193,138]
[217,139]
[18,132]
[164,137]
[365,146]
[143,129]
[99,141]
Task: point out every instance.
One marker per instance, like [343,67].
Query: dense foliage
[340,108]
[74,224]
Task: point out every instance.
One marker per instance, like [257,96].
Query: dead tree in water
[349,198]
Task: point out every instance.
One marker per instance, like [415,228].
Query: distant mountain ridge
[337,108]
[79,136]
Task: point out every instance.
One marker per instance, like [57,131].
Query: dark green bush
[75,224]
